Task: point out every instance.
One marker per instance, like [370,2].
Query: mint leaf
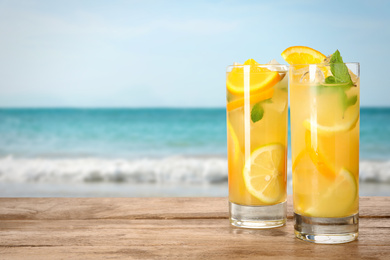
[339,70]
[257,112]
[346,101]
[340,81]
[330,80]
[340,73]
[336,57]
[350,102]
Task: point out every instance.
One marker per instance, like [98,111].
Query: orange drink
[324,98]
[257,103]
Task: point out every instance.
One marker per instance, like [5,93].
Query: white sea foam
[176,169]
[165,170]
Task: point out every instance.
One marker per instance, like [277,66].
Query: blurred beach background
[127,98]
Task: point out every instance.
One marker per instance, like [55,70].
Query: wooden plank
[177,238]
[194,228]
[374,207]
[112,208]
[145,208]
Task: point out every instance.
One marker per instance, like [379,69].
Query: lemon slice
[334,129]
[338,199]
[260,78]
[317,195]
[264,173]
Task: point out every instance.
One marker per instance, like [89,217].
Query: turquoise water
[375,133]
[120,133]
[134,133]
[66,148]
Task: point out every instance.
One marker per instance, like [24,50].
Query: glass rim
[323,64]
[259,65]
[288,65]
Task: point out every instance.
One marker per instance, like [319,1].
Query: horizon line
[142,107]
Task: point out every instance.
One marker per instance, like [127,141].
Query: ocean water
[111,133]
[165,151]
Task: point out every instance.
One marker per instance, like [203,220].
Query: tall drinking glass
[325,151]
[257,98]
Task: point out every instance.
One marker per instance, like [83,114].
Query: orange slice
[260,78]
[302,55]
[233,143]
[318,159]
[254,99]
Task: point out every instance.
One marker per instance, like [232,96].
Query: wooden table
[174,228]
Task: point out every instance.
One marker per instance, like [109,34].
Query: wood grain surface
[168,228]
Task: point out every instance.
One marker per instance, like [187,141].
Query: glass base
[326,230]
[258,216]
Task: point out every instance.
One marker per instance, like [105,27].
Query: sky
[174,53]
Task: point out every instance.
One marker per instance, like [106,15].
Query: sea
[144,152]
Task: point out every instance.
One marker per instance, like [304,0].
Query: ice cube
[312,74]
[282,69]
[273,62]
[354,77]
[273,68]
[327,59]
[282,75]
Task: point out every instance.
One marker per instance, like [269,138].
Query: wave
[175,169]
[166,170]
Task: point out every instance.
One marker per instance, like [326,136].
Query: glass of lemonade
[325,149]
[257,104]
